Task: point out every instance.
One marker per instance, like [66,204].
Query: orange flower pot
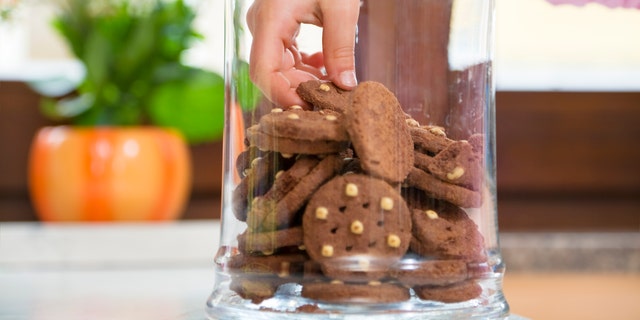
[109,174]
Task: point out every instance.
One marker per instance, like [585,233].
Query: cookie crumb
[357,227]
[293,116]
[375,283]
[393,241]
[331,117]
[295,107]
[386,203]
[336,282]
[351,190]
[276,110]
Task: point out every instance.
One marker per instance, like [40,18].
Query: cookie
[379,132]
[304,125]
[457,164]
[355,293]
[439,189]
[277,211]
[281,265]
[445,231]
[457,292]
[268,242]
[477,143]
[324,95]
[429,139]
[256,290]
[357,224]
[416,271]
[258,180]
[245,158]
[267,142]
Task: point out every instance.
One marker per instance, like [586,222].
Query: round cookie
[439,189]
[429,139]
[414,272]
[256,290]
[457,292]
[301,124]
[268,242]
[457,164]
[279,207]
[267,142]
[356,226]
[258,180]
[324,95]
[379,132]
[338,292]
[280,265]
[445,231]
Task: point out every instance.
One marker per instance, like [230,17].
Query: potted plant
[122,153]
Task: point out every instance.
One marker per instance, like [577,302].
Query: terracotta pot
[109,173]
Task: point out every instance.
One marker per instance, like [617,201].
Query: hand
[276,65]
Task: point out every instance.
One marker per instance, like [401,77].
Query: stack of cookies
[357,202]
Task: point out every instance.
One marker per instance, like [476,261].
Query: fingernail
[348,78]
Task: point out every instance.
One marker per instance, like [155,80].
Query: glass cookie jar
[373,202]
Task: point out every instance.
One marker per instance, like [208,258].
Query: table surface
[164,271]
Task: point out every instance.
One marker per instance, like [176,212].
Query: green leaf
[248,94]
[66,108]
[194,105]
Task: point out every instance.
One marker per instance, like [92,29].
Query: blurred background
[568,158]
[568,110]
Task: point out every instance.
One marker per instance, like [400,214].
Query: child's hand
[277,67]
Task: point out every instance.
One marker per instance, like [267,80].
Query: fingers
[274,60]
[277,68]
[339,20]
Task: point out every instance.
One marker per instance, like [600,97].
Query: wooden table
[581,296]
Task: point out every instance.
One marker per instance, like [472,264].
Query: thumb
[340,19]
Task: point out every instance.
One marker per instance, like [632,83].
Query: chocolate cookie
[281,265]
[429,139]
[379,133]
[278,208]
[256,290]
[445,231]
[457,292]
[268,242]
[257,181]
[439,189]
[356,224]
[413,272]
[304,125]
[324,95]
[355,293]
[267,142]
[458,164]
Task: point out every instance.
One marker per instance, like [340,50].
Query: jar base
[287,303]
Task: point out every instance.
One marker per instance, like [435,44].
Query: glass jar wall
[367,202]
